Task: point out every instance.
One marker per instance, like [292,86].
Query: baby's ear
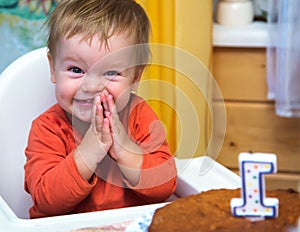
[138,75]
[52,67]
[139,72]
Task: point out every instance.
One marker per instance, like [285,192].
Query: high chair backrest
[25,92]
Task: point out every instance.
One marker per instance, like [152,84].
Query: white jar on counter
[235,12]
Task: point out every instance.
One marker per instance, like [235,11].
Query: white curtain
[283,56]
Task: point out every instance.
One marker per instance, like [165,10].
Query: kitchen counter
[251,35]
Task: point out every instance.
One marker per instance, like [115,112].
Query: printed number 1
[253,203]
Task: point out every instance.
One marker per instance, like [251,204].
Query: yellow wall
[187,27]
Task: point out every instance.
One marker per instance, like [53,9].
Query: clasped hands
[107,136]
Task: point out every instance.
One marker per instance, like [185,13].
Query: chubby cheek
[64,96]
[121,99]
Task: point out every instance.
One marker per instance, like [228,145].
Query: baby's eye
[76,70]
[111,73]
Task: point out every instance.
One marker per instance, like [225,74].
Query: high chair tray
[194,175]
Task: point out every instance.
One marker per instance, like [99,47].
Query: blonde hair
[98,17]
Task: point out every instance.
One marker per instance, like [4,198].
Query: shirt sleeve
[158,174]
[51,175]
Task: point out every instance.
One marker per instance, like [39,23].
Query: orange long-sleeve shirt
[56,186]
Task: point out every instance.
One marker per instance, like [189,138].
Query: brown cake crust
[210,211]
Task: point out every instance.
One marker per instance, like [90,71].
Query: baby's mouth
[85,101]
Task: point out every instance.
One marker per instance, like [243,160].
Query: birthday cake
[211,211]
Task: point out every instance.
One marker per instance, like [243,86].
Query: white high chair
[25,92]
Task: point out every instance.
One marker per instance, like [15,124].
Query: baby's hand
[121,141]
[97,140]
[127,154]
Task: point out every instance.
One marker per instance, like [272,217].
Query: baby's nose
[93,83]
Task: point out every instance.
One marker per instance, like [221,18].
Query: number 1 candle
[253,203]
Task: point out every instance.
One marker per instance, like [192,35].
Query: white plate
[140,224]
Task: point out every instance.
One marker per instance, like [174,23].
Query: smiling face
[83,69]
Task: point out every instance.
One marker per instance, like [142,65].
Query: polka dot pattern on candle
[253,203]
